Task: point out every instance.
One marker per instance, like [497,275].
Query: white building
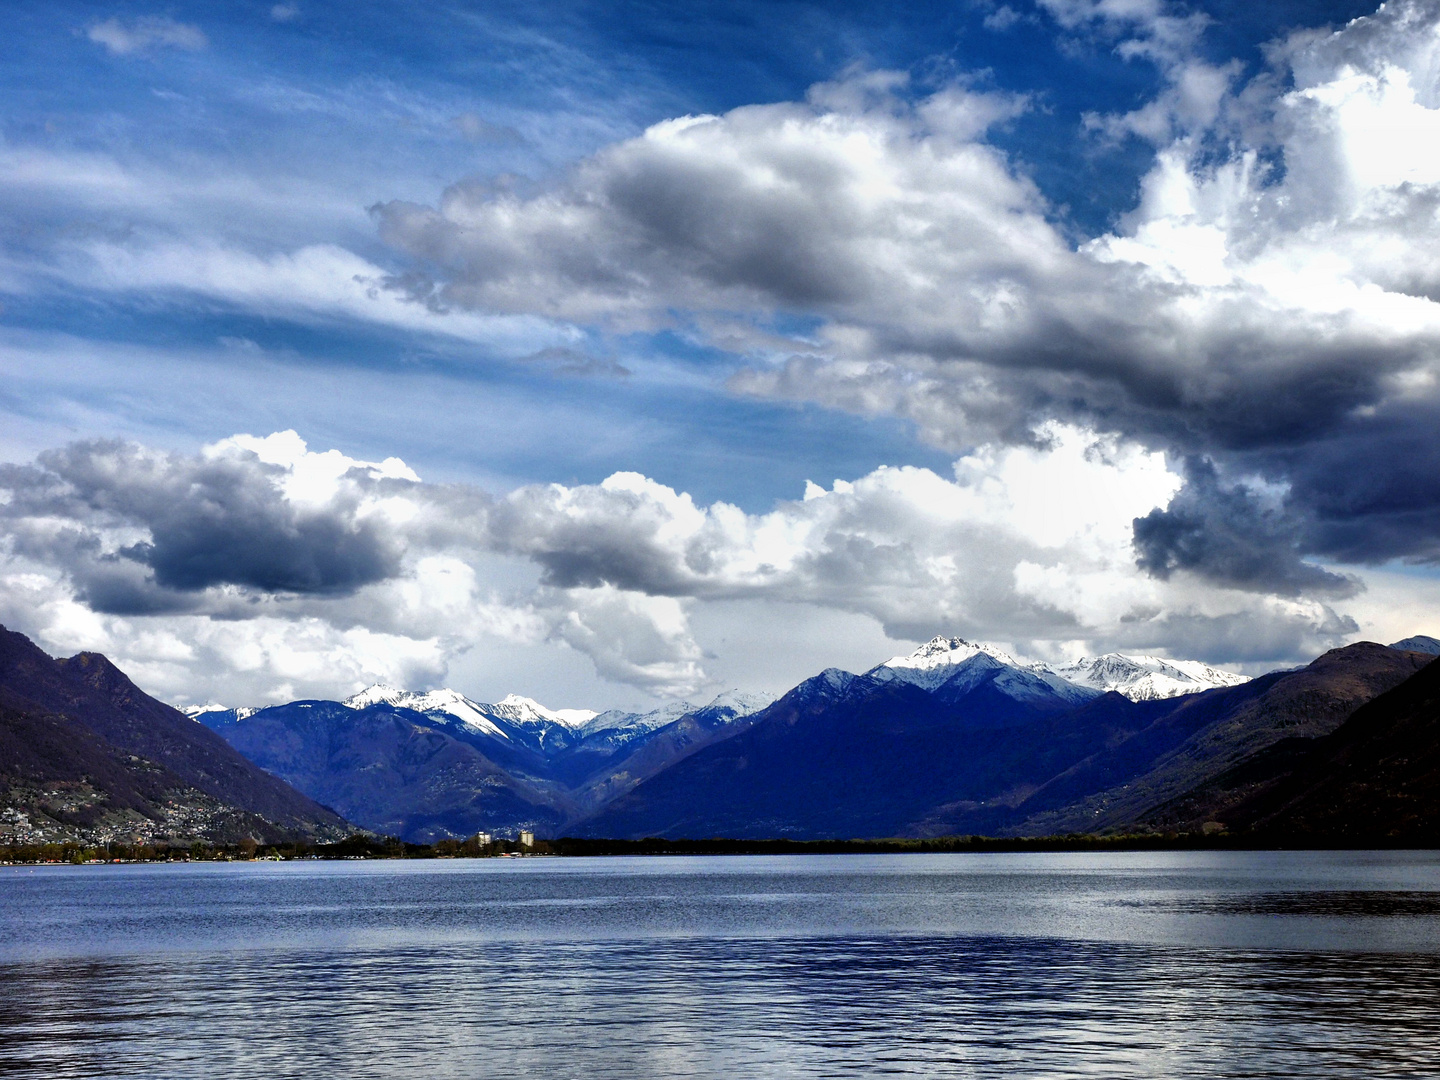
[527,838]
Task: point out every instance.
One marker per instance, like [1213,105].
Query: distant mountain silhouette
[68,720]
[430,775]
[393,770]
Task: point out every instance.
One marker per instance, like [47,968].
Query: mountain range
[432,764]
[436,764]
[956,737]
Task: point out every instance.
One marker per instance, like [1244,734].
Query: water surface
[958,965]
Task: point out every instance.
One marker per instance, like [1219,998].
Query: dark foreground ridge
[1376,777]
[88,757]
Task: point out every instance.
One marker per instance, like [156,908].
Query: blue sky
[455,236]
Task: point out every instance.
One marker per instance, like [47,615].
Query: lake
[1212,964]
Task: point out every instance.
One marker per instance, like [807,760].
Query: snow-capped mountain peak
[194,712]
[1146,678]
[449,702]
[1421,643]
[513,708]
[734,702]
[523,710]
[1140,678]
[942,652]
[941,660]
[740,702]
[637,723]
[378,694]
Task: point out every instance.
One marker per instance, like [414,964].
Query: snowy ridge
[952,663]
[452,704]
[525,711]
[194,712]
[740,703]
[512,709]
[734,702]
[965,664]
[1421,643]
[526,714]
[935,662]
[639,723]
[1147,678]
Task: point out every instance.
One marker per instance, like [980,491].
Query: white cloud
[319,281]
[1002,19]
[843,202]
[260,569]
[126,37]
[1276,289]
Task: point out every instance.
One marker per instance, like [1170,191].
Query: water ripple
[721,973]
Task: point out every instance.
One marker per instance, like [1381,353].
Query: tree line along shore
[372,847]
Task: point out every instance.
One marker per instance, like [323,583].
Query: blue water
[1111,965]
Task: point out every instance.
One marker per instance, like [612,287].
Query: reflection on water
[1148,965]
[1343,903]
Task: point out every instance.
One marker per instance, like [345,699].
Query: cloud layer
[1192,431]
[1269,306]
[285,569]
[125,37]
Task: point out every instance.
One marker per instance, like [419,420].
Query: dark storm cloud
[178,525]
[1233,537]
[586,537]
[1373,489]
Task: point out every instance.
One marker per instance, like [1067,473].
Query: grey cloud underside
[328,541]
[1373,488]
[639,232]
[947,295]
[1230,536]
[205,522]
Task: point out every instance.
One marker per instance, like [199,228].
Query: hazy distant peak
[1146,678]
[741,702]
[377,694]
[1421,643]
[194,712]
[523,710]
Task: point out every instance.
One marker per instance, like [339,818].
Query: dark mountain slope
[648,757]
[59,781]
[1376,778]
[1203,735]
[1017,763]
[390,769]
[94,694]
[857,757]
[851,756]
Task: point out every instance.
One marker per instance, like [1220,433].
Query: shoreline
[369,848]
